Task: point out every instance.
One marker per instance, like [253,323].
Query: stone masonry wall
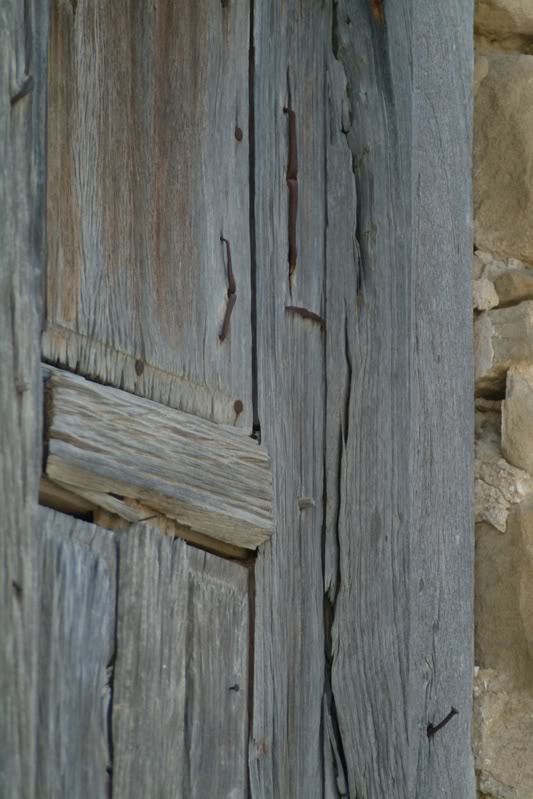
[503,324]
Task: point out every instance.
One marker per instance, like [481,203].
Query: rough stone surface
[514,286]
[477,267]
[499,485]
[492,266]
[503,731]
[503,707]
[484,295]
[502,336]
[501,19]
[503,157]
[481,70]
[503,586]
[517,417]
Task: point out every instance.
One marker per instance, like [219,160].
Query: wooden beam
[290,46]
[52,495]
[114,521]
[23,81]
[399,526]
[211,478]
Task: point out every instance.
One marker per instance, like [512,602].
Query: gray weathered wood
[399,387]
[290,46]
[181,678]
[442,536]
[212,478]
[23,49]
[75,651]
[147,171]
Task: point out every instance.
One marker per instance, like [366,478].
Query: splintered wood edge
[82,464]
[113,514]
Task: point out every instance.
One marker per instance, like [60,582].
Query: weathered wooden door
[244,228]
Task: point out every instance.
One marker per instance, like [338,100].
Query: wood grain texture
[170,528]
[23,50]
[181,678]
[145,175]
[442,531]
[399,539]
[285,747]
[75,649]
[212,478]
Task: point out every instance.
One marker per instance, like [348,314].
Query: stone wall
[503,324]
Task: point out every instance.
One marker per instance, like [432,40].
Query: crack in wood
[25,88]
[232,291]
[292,182]
[305,313]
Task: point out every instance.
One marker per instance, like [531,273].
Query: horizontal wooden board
[148,220]
[181,677]
[211,478]
[169,527]
[75,649]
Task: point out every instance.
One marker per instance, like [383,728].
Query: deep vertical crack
[110,677]
[338,443]
[251,201]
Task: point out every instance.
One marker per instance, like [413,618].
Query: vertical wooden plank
[181,676]
[289,54]
[23,33]
[442,532]
[399,435]
[148,172]
[76,647]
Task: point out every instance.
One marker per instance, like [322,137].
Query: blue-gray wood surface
[23,50]
[380,94]
[75,656]
[142,676]
[180,698]
[356,320]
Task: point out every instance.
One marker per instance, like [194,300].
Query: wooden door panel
[143,665]
[148,210]
[180,712]
[75,655]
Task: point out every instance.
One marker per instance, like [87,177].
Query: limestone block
[517,417]
[498,485]
[514,286]
[503,732]
[477,267]
[500,19]
[502,336]
[481,70]
[484,295]
[503,157]
[503,629]
[525,522]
